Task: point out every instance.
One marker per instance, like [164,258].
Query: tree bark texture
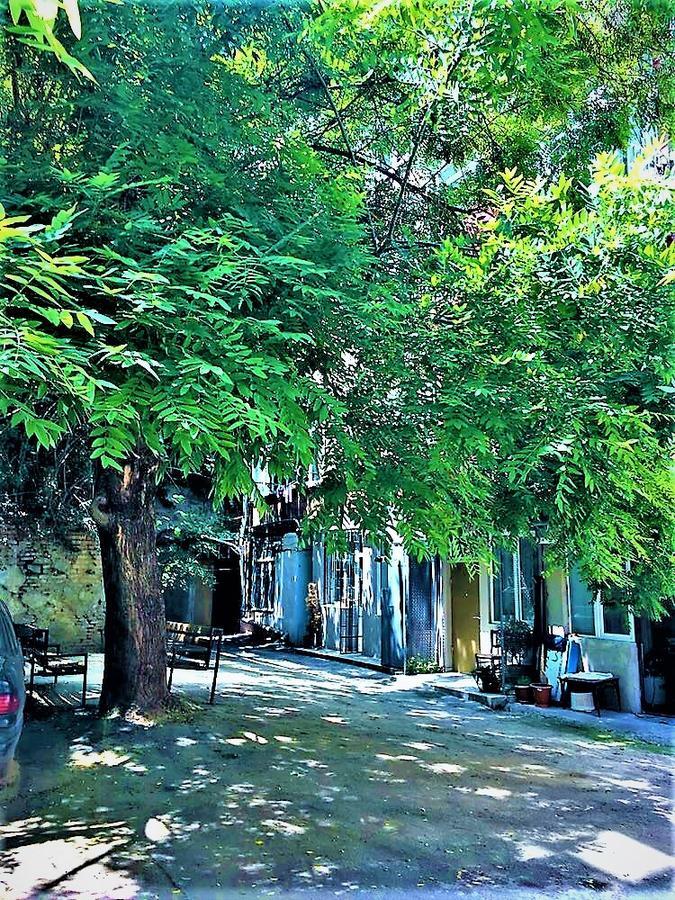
[135,652]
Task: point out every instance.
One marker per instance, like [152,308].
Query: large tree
[264,236]
[480,410]
[177,292]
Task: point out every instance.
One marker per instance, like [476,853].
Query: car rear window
[8,642]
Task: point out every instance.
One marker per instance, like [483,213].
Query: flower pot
[542,694]
[523,693]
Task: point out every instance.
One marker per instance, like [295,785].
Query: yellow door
[465,620]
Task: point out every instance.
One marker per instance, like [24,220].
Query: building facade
[379,603]
[639,652]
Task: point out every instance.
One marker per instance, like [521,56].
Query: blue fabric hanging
[574,663]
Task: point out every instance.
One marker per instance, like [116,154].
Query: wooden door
[465,620]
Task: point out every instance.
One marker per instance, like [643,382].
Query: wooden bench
[190,645]
[46,659]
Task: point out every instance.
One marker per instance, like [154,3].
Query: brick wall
[54,584]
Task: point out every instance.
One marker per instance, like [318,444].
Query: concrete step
[353,659]
[454,683]
[467,692]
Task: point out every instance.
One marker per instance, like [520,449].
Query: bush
[418,665]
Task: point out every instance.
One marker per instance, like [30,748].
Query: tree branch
[343,131]
[417,140]
[390,173]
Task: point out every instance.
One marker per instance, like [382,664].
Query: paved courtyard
[312,779]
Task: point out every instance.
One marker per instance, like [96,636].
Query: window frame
[518,589]
[599,619]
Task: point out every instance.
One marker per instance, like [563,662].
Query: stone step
[463,692]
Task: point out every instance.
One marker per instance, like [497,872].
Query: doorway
[420,637]
[465,620]
[226,609]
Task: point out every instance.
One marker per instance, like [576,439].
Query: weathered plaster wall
[621,659]
[55,585]
[600,654]
[393,649]
[192,602]
[371,626]
[557,612]
[486,626]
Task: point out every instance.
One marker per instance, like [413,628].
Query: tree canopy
[376,234]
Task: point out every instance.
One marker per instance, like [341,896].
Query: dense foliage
[538,380]
[211,244]
[261,233]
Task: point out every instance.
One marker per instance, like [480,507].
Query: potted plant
[518,645]
[542,694]
[517,640]
[523,690]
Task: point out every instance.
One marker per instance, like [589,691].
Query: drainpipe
[403,622]
[503,643]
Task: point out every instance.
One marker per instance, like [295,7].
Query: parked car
[12,691]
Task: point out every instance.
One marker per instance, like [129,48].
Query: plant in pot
[542,693]
[523,689]
[518,646]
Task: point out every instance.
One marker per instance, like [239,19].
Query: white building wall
[618,655]
[484,589]
[371,625]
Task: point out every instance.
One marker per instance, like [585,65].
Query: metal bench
[193,646]
[47,660]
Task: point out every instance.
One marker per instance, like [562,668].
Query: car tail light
[9,700]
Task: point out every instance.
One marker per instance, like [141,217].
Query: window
[591,616]
[513,584]
[616,620]
[343,571]
[582,604]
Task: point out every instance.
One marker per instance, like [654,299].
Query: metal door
[420,635]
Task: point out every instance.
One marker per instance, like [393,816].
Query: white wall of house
[621,659]
[399,576]
[371,626]
[485,594]
[292,576]
[446,589]
[601,651]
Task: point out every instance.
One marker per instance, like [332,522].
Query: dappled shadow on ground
[308,776]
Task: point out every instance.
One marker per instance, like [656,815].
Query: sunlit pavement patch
[348,798]
[624,858]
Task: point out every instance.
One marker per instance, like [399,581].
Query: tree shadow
[311,777]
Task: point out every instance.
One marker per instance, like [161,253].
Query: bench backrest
[176,629]
[32,639]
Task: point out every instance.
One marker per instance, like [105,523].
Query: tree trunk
[135,653]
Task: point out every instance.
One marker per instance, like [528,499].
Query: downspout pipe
[403,622]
